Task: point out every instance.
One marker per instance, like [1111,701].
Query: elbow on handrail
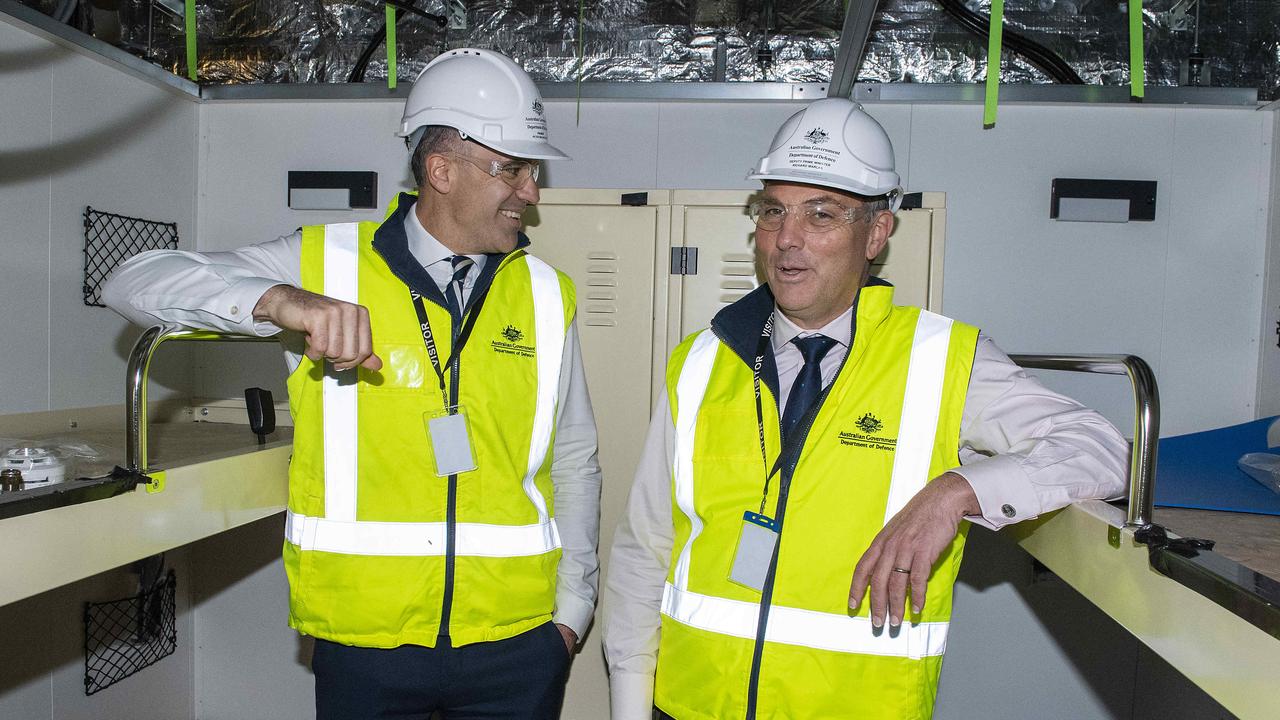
[1146,421]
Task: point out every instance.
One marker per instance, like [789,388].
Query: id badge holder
[756,544]
[450,441]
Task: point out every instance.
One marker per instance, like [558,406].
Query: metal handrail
[135,401]
[1146,421]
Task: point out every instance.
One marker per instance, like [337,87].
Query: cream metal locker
[611,251]
[715,222]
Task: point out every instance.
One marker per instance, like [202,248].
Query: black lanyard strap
[761,348]
[789,452]
[459,342]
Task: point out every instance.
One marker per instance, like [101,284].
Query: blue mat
[1199,470]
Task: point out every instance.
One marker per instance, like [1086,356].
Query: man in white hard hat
[812,422]
[444,489]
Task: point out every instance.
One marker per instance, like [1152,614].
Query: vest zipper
[784,492]
[766,595]
[451,516]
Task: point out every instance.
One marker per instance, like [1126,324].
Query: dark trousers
[520,677]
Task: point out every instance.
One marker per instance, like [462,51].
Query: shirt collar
[784,330]
[424,247]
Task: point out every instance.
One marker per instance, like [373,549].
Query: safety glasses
[514,173]
[816,217]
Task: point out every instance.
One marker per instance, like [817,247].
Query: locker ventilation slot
[111,239]
[121,637]
[737,276]
[602,294]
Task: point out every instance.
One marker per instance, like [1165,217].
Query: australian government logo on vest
[509,343]
[869,425]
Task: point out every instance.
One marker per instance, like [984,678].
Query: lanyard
[459,342]
[761,348]
[790,446]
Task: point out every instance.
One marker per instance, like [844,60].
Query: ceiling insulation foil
[320,41]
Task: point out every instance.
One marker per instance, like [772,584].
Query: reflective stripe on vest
[796,626]
[694,377]
[548,313]
[419,539]
[341,282]
[339,531]
[920,407]
[840,633]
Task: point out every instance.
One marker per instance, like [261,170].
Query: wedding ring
[902,570]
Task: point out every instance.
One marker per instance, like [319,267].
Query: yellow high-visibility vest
[369,536]
[890,424]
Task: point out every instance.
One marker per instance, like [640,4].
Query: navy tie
[453,293]
[808,384]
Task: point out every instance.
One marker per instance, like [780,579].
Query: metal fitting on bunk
[10,480]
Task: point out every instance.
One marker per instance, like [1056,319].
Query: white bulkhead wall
[76,132]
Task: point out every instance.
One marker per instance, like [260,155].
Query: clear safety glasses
[815,217]
[514,173]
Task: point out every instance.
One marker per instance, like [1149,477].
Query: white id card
[450,443]
[755,550]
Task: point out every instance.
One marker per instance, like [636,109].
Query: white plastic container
[39,466]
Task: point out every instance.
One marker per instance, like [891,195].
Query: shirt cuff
[631,696]
[1005,493]
[573,612]
[240,300]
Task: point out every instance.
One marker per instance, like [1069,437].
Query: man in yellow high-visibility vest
[814,420]
[443,511]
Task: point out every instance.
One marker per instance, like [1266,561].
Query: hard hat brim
[526,149]
[807,177]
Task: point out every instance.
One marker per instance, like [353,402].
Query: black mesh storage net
[124,636]
[110,239]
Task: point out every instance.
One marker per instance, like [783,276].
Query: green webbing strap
[190,18]
[581,3]
[993,64]
[1137,73]
[391,47]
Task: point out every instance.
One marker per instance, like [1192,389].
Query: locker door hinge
[684,261]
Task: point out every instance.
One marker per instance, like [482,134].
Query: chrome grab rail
[1146,421]
[135,401]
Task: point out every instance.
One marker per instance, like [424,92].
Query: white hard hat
[486,97]
[833,143]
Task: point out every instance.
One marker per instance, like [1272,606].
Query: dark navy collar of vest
[392,246]
[739,326]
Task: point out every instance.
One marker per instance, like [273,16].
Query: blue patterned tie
[453,293]
[808,384]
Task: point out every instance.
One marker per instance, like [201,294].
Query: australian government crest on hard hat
[537,122]
[808,154]
[817,136]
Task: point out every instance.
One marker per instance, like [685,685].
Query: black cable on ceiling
[1044,59]
[405,6]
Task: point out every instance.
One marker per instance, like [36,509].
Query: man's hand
[335,330]
[906,548]
[570,637]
